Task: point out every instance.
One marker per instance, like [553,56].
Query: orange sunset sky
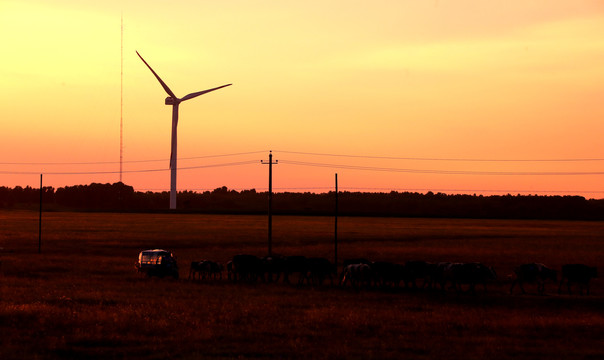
[456,96]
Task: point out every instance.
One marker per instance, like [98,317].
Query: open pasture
[81,297]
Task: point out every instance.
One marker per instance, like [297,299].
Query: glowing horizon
[444,80]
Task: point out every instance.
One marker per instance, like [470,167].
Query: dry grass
[82,299]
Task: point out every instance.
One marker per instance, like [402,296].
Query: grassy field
[81,298]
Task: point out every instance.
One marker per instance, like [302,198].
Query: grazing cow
[416,270]
[211,269]
[246,268]
[577,273]
[295,265]
[273,266]
[356,261]
[357,275]
[533,273]
[468,274]
[195,269]
[435,274]
[205,269]
[318,269]
[353,261]
[387,274]
[229,266]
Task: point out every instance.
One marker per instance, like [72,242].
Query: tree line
[120,197]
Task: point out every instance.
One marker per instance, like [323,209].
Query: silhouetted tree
[121,197]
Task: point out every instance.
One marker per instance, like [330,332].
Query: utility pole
[335,260]
[40,220]
[270,200]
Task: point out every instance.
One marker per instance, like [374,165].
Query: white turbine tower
[175,101]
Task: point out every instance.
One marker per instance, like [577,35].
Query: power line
[128,171]
[439,159]
[318,154]
[317,164]
[444,172]
[131,161]
[247,162]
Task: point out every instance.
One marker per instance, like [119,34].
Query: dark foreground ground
[81,297]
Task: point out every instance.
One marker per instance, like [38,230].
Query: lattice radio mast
[122,97]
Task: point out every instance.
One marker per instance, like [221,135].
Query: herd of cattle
[362,273]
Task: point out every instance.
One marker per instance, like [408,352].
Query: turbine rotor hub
[171,101]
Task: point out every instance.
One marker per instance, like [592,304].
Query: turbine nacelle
[172,101]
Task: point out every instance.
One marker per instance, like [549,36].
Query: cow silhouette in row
[319,270]
[205,269]
[357,276]
[363,273]
[385,274]
[245,268]
[579,274]
[295,269]
[533,273]
[571,274]
[459,275]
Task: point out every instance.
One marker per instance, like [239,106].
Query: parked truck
[157,262]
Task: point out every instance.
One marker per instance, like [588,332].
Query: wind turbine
[175,101]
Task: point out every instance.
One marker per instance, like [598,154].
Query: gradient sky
[434,84]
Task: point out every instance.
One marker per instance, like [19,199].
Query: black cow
[387,274]
[577,273]
[533,273]
[246,267]
[468,274]
[295,265]
[319,269]
[435,274]
[273,267]
[195,270]
[415,270]
[229,267]
[211,269]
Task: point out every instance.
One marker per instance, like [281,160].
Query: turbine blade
[196,94]
[163,84]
